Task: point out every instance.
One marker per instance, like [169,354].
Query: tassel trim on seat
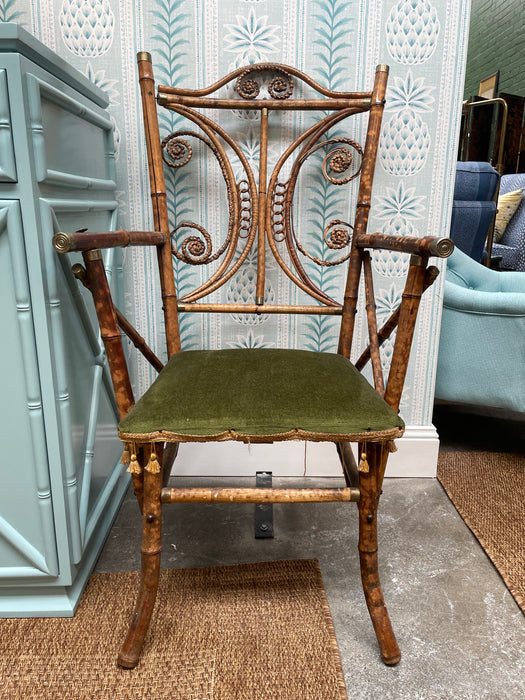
[153,466]
[364,467]
[129,457]
[134,466]
[125,459]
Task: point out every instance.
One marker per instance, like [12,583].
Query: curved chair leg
[370,490]
[151,548]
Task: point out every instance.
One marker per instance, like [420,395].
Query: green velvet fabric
[259,392]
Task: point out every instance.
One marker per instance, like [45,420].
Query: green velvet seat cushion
[245,393]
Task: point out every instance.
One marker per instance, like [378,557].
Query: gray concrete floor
[460,631]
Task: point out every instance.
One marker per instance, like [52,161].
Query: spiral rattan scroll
[340,165]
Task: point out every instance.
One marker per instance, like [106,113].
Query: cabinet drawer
[72,144]
[7,153]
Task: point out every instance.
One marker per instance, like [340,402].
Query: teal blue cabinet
[62,481]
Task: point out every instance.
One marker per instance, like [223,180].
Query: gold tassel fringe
[364,467]
[153,466]
[125,455]
[134,466]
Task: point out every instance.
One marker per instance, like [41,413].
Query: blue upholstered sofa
[481,357]
[511,247]
[474,207]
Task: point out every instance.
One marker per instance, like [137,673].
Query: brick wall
[497,42]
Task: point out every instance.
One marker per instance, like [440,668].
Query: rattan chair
[261,395]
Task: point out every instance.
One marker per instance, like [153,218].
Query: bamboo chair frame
[261,212]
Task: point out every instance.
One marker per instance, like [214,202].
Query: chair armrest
[428,246]
[82,240]
[93,277]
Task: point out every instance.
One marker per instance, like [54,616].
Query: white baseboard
[417,453]
[416,456]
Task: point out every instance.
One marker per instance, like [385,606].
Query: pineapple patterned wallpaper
[339,42]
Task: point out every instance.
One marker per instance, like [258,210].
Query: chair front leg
[151,550]
[368,504]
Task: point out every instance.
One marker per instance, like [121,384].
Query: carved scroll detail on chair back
[261,210]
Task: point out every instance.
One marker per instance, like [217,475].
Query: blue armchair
[481,357]
[511,247]
[473,208]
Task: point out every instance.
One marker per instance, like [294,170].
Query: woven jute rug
[488,491]
[248,631]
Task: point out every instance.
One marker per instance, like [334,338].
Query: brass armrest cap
[63,242]
[442,248]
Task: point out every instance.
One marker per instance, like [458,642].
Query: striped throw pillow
[507,205]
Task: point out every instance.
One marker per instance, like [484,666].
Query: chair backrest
[260,208]
[261,212]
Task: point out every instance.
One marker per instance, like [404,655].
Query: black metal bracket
[263,519]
